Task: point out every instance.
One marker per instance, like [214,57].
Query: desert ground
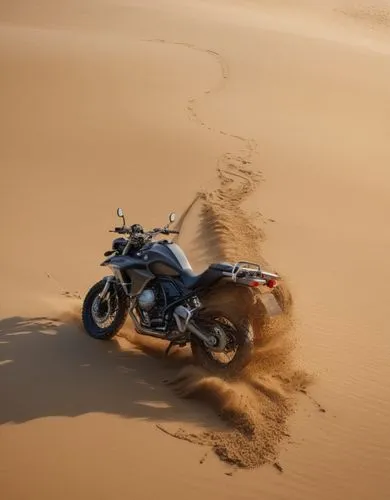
[143,105]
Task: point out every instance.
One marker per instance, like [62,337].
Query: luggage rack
[248,272]
[245,269]
[244,272]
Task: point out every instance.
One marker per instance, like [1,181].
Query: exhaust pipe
[182,317]
[145,331]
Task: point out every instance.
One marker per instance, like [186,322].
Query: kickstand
[168,349]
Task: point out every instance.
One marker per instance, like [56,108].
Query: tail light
[272,283]
[253,283]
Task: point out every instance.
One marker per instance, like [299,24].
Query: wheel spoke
[104,313]
[226,356]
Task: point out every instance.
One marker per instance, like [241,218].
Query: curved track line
[250,145]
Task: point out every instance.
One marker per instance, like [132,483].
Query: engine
[153,300]
[147,300]
[151,304]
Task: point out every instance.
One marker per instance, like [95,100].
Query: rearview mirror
[121,214]
[172,217]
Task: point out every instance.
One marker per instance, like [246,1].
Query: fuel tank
[165,259]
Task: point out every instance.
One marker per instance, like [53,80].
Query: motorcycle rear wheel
[238,352]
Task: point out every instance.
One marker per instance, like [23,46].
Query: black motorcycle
[153,282]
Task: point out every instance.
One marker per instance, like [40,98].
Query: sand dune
[274,117]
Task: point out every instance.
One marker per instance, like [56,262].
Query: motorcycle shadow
[52,368]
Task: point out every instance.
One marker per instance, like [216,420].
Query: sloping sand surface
[266,125]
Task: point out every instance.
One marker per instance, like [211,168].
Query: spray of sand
[257,406]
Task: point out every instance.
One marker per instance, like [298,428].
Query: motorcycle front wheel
[238,340]
[103,318]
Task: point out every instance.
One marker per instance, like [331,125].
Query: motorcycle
[153,282]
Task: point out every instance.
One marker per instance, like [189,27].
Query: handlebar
[120,230]
[163,230]
[155,231]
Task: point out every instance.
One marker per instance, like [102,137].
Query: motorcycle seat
[207,278]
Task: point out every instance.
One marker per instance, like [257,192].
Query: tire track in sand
[228,163]
[257,406]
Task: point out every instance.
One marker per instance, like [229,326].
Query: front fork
[108,280]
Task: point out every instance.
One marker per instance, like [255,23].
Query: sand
[145,105]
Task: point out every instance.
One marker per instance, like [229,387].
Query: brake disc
[97,307]
[219,337]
